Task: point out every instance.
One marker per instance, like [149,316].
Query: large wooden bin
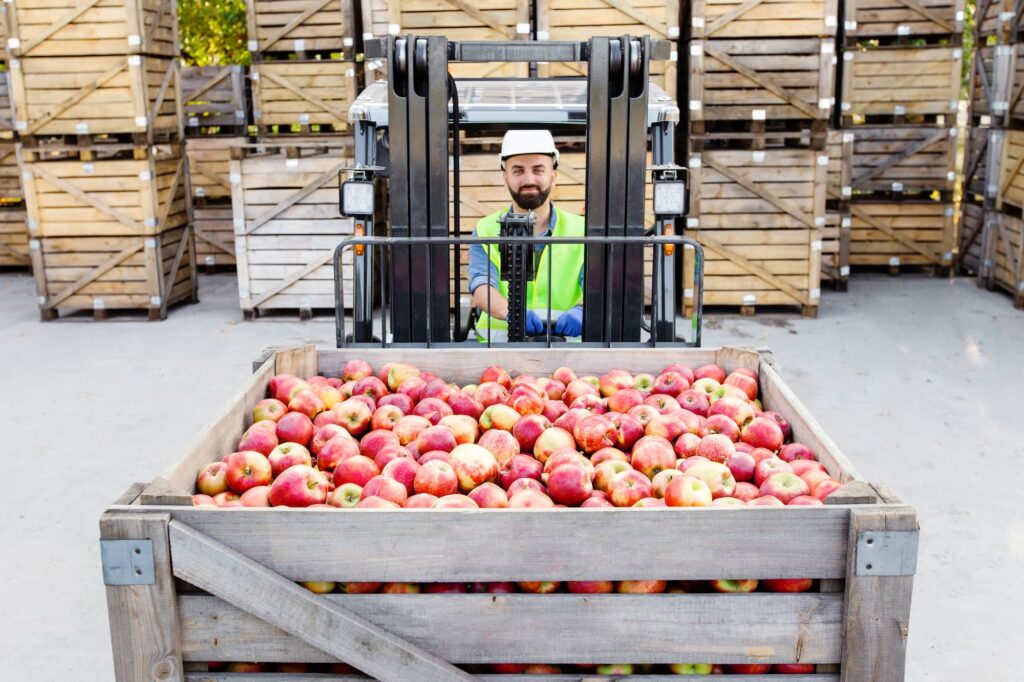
[221,583]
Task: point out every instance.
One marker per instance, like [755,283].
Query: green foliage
[213,32]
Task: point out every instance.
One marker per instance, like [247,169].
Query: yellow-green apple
[287,455]
[356,469]
[762,433]
[688,491]
[765,501]
[345,496]
[605,454]
[741,464]
[606,471]
[525,399]
[498,416]
[695,401]
[201,500]
[569,484]
[502,444]
[409,427]
[226,497]
[643,413]
[644,383]
[403,470]
[437,478]
[299,486]
[705,385]
[627,488]
[787,584]
[615,380]
[247,469]
[399,372]
[318,586]
[270,409]
[553,409]
[433,409]
[614,669]
[593,380]
[335,450]
[212,479]
[793,668]
[690,668]
[473,466]
[594,432]
[624,400]
[528,498]
[455,501]
[420,501]
[686,445]
[590,403]
[805,501]
[521,484]
[400,588]
[783,423]
[727,502]
[668,426]
[540,587]
[564,374]
[436,438]
[749,668]
[661,480]
[385,417]
[551,440]
[374,502]
[527,429]
[356,369]
[825,487]
[719,423]
[724,391]
[652,454]
[519,466]
[591,586]
[670,383]
[662,403]
[641,586]
[386,488]
[791,452]
[489,496]
[294,427]
[768,466]
[576,388]
[784,485]
[497,375]
[724,585]
[329,395]
[745,491]
[322,434]
[716,447]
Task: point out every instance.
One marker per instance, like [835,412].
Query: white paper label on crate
[210,260]
[154,300]
[695,162]
[41,300]
[253,46]
[15,64]
[830,22]
[134,60]
[749,299]
[150,243]
[960,16]
[847,191]
[347,42]
[697,22]
[82,128]
[757,156]
[819,220]
[815,293]
[291,164]
[543,35]
[1006,16]
[349,73]
[758,114]
[304,119]
[687,293]
[33,225]
[847,137]
[98,304]
[894,262]
[145,176]
[149,222]
[695,105]
[948,212]
[522,29]
[845,106]
[816,246]
[847,222]
[673,56]
[827,48]
[903,30]
[367,36]
[141,121]
[947,256]
[13,43]
[134,40]
[823,160]
[824,103]
[951,176]
[992,190]
[897,187]
[243,294]
[235,178]
[673,32]
[958,53]
[33,244]
[844,271]
[899,110]
[850,25]
[692,223]
[193,121]
[300,45]
[394,29]
[200,191]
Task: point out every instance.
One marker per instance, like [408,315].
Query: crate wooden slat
[779,19]
[1011,170]
[839,145]
[896,233]
[106,197]
[761,79]
[1003,247]
[114,273]
[6,103]
[759,216]
[999,18]
[285,207]
[209,160]
[13,236]
[897,81]
[903,159]
[300,26]
[584,19]
[983,156]
[885,18]
[993,83]
[187,628]
[213,96]
[971,236]
[116,94]
[303,93]
[10,174]
[60,28]
[835,247]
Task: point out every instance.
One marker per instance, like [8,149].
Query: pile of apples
[547,669]
[403,438]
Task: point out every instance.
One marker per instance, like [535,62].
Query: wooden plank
[94,274]
[253,588]
[144,623]
[300,361]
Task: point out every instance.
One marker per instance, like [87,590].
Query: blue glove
[570,323]
[534,323]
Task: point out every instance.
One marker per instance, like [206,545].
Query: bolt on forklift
[406,284]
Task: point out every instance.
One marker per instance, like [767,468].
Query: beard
[531,200]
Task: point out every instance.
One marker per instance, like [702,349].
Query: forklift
[408,135]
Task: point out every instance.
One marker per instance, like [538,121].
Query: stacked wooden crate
[900,89]
[97,105]
[757,113]
[991,240]
[13,227]
[215,108]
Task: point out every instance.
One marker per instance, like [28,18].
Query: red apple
[403,470]
[569,484]
[519,466]
[577,388]
[652,454]
[595,432]
[226,497]
[521,484]
[736,409]
[498,416]
[354,415]
[695,401]
[473,465]
[643,414]
[624,400]
[357,469]
[685,464]
[528,498]
[765,501]
[551,440]
[400,588]
[564,374]
[294,427]
[670,383]
[571,418]
[490,393]
[437,389]
[793,668]
[527,429]
[761,433]
[615,380]
[463,427]
[335,450]
[525,399]
[356,369]
[590,403]
[767,467]
[435,455]
[323,434]
[745,491]
[705,385]
[553,409]
[437,478]
[661,481]
[591,586]
[744,382]
[489,496]
[433,409]
[801,467]
[411,388]
[688,491]
[288,455]
[456,502]
[247,469]
[326,418]
[668,426]
[540,587]
[805,501]
[374,502]
[787,584]
[716,447]
[791,452]
[628,488]
[497,375]
[663,403]
[713,371]
[641,586]
[409,427]
[593,501]
[686,445]
[435,438]
[385,417]
[420,501]
[391,452]
[719,423]
[386,489]
[606,471]
[741,464]
[465,404]
[824,488]
[552,388]
[270,409]
[605,454]
[212,479]
[784,485]
[299,486]
[502,444]
[783,423]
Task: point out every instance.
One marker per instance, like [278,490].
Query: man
[529,162]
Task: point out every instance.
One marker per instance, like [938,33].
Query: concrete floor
[917,379]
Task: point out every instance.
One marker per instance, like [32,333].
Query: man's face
[530,178]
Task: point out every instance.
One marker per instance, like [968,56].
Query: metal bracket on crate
[887,553]
[127,562]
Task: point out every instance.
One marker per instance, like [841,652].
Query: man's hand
[534,323]
[570,323]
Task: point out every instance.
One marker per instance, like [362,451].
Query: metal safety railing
[372,260]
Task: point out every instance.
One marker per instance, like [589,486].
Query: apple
[569,484]
[212,479]
[727,502]
[356,369]
[605,454]
[577,388]
[552,388]
[226,497]
[434,455]
[745,491]
[784,485]
[590,403]
[670,383]
[652,454]
[335,450]
[502,444]
[744,382]
[385,417]
[294,427]
[606,471]
[759,454]
[437,389]
[688,491]
[420,501]
[354,415]
[627,488]
[661,481]
[391,452]
[525,400]
[455,501]
[551,440]
[687,445]
[409,427]
[490,393]
[765,501]
[590,586]
[399,588]
[205,500]
[403,470]
[627,430]
[240,667]
[712,370]
[736,409]
[767,467]
[783,423]
[663,403]
[566,456]
[615,380]
[762,433]
[345,496]
[519,466]
[724,391]
[801,467]
[528,498]
[489,496]
[749,668]
[246,469]
[643,383]
[287,455]
[734,585]
[497,375]
[787,584]
[473,465]
[553,409]
[805,501]
[498,416]
[719,423]
[668,426]
[374,502]
[329,395]
[298,486]
[525,484]
[270,409]
[643,414]
[564,374]
[463,403]
[357,469]
[433,409]
[824,488]
[325,418]
[741,464]
[791,452]
[412,388]
[463,427]
[570,418]
[718,477]
[685,464]
[716,447]
[593,501]
[437,478]
[624,400]
[398,373]
[540,587]
[649,502]
[527,429]
[595,432]
[325,433]
[695,401]
[641,586]
[793,668]
[435,438]
[386,489]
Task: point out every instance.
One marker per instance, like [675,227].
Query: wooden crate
[576,20]
[900,81]
[903,160]
[285,204]
[209,160]
[1010,169]
[302,94]
[759,216]
[114,273]
[117,94]
[1003,246]
[123,197]
[982,158]
[62,28]
[13,237]
[300,27]
[1000,19]
[835,247]
[840,165]
[761,79]
[971,236]
[731,19]
[887,18]
[221,593]
[898,233]
[992,84]
[213,97]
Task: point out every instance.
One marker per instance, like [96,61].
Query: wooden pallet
[996,77]
[214,99]
[88,28]
[576,20]
[89,95]
[897,81]
[1003,249]
[103,274]
[285,203]
[300,27]
[759,216]
[218,593]
[299,94]
[885,18]
[1000,19]
[107,197]
[971,237]
[13,237]
[760,79]
[901,233]
[903,160]
[209,160]
[730,19]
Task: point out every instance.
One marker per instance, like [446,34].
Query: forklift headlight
[669,198]
[357,198]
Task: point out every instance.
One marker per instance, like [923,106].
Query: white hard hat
[528,142]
